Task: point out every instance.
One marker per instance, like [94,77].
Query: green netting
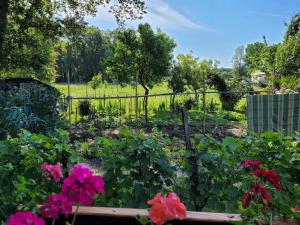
[278,113]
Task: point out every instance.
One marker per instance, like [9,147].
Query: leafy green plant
[22,184]
[290,82]
[84,108]
[135,167]
[36,108]
[221,184]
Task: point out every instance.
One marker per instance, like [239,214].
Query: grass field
[84,90]
[159,106]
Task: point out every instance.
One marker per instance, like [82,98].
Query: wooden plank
[127,212]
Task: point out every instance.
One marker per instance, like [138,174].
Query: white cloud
[159,15]
[163,15]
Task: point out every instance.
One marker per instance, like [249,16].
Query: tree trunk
[145,101]
[3,26]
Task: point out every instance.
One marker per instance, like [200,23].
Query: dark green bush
[36,109]
[84,108]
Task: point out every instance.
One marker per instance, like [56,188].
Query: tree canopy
[28,28]
[143,54]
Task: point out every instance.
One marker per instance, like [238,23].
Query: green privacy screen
[278,113]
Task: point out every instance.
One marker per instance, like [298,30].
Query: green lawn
[83,90]
[157,104]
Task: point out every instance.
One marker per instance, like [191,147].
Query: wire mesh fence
[162,108]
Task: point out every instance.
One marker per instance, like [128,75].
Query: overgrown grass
[159,106]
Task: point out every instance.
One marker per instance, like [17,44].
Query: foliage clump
[135,168]
[22,183]
[36,108]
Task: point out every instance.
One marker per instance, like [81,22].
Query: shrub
[221,182]
[290,82]
[22,184]
[36,109]
[84,108]
[135,168]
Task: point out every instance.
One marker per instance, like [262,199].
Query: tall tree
[293,28]
[288,57]
[176,81]
[23,20]
[189,66]
[239,67]
[86,59]
[252,56]
[142,54]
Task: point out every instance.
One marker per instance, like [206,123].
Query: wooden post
[136,98]
[204,104]
[120,108]
[104,101]
[185,119]
[76,115]
[69,96]
[130,108]
[192,159]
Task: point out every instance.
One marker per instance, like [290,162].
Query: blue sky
[212,28]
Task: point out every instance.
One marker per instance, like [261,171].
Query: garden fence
[131,107]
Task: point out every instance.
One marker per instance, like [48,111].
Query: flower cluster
[258,192]
[56,205]
[167,208]
[249,164]
[81,186]
[25,218]
[270,175]
[52,171]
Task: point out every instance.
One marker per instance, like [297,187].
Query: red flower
[177,208]
[273,178]
[259,172]
[159,214]
[270,175]
[53,171]
[157,199]
[57,205]
[260,190]
[258,193]
[166,208]
[25,218]
[248,164]
[81,186]
[247,199]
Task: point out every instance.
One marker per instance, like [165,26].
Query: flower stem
[75,214]
[53,222]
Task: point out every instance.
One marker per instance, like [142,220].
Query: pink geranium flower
[82,185]
[25,218]
[53,171]
[56,205]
